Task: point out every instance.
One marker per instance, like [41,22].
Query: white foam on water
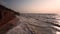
[58,29]
[57,32]
[59,24]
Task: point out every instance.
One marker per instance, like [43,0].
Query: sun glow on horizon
[35,6]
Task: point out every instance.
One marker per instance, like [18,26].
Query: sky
[33,6]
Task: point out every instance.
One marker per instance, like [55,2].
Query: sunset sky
[33,6]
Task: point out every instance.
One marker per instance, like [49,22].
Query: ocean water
[31,23]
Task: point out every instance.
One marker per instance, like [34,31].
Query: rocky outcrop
[7,19]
